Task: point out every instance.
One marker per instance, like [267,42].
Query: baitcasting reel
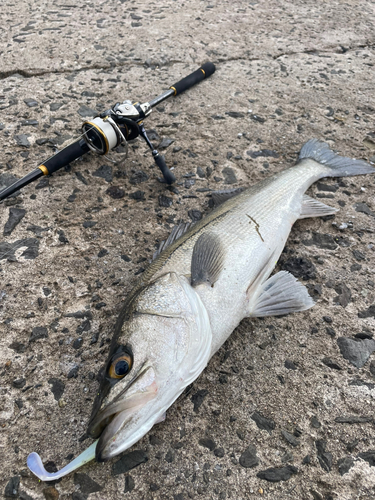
[122,123]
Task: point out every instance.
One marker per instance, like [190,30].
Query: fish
[203,282]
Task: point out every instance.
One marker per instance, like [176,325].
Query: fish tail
[337,166]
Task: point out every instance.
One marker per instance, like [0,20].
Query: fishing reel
[112,128]
[122,123]
[115,126]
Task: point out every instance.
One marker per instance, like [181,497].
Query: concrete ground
[294,393]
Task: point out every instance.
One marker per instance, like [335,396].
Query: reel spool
[101,135]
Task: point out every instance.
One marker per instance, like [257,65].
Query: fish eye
[120,366]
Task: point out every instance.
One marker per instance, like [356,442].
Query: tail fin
[339,166]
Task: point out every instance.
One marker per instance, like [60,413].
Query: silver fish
[195,293]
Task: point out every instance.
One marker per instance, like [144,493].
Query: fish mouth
[111,419]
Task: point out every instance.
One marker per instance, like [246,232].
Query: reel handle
[197,76]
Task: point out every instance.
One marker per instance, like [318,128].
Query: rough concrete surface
[282,393]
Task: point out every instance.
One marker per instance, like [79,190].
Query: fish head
[162,344]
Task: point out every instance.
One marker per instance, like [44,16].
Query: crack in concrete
[339,51]
[32,73]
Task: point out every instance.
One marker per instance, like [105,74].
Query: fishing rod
[114,127]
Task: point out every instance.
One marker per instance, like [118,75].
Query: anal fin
[208,259]
[315,208]
[281,294]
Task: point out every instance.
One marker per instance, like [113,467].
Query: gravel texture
[286,408]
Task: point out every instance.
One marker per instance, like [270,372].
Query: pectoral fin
[280,294]
[208,260]
[314,208]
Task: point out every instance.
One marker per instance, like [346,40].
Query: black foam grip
[167,174]
[200,74]
[66,155]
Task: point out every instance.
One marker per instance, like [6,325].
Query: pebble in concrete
[356,351]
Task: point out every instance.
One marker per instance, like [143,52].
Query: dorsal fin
[176,232]
[218,197]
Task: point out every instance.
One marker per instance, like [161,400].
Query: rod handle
[13,188]
[64,157]
[59,160]
[197,76]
